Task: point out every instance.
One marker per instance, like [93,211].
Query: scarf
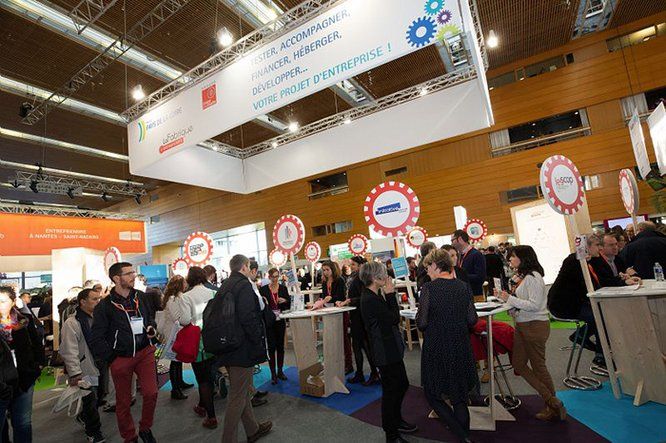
[84,321]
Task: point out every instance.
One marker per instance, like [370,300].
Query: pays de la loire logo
[143,130]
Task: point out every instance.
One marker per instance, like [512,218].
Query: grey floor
[294,419]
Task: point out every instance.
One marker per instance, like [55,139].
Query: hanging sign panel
[348,39]
[638,143]
[657,124]
[289,234]
[562,185]
[391,209]
[28,234]
[198,249]
[629,191]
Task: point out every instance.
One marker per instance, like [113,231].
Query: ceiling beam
[88,11]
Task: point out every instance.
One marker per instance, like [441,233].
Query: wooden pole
[583,262]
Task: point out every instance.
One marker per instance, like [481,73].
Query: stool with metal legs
[508,400]
[573,380]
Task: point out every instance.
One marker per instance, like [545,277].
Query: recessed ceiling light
[274,144]
[137,93]
[492,41]
[224,37]
[293,126]
[347,121]
[424,91]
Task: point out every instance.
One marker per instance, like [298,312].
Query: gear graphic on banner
[432,7]
[421,32]
[447,31]
[443,17]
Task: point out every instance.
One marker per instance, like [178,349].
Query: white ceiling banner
[344,41]
[638,143]
[657,124]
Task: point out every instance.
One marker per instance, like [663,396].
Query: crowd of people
[109,338]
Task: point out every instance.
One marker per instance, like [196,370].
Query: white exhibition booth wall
[163,142]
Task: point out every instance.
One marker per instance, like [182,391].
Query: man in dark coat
[241,361]
[471,260]
[494,267]
[648,248]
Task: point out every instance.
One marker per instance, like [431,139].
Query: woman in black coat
[20,333]
[381,317]
[277,300]
[448,371]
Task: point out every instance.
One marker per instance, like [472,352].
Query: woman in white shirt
[529,299]
[192,305]
[172,293]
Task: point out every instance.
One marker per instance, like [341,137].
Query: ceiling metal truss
[88,11]
[65,211]
[161,13]
[52,184]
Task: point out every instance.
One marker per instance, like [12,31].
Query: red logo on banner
[209,96]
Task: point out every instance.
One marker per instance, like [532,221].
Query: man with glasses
[122,335]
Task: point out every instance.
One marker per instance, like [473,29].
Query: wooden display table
[315,378]
[483,418]
[634,321]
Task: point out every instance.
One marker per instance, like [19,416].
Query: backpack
[221,324]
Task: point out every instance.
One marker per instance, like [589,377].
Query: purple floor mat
[526,428]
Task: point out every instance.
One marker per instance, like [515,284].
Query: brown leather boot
[547,414]
[555,404]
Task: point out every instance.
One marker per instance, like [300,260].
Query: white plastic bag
[72,396]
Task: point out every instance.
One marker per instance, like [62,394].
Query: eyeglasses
[128,273]
[274,276]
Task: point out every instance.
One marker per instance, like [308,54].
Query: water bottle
[658,272]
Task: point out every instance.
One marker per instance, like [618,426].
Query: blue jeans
[20,412]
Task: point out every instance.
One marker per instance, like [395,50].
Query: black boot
[177,394]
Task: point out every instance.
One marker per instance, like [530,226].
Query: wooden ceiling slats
[628,11]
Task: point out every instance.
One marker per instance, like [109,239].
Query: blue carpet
[359,396]
[188,376]
[617,420]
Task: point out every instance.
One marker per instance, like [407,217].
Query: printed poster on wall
[638,143]
[352,37]
[657,124]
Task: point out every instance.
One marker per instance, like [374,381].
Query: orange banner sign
[22,234]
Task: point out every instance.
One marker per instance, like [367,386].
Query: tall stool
[573,380]
[507,399]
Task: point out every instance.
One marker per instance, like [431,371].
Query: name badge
[277,314]
[14,358]
[137,325]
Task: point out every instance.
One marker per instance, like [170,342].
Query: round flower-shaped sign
[417,236]
[391,209]
[277,258]
[312,251]
[476,229]
[180,267]
[562,185]
[198,249]
[289,234]
[358,244]
[629,191]
[111,257]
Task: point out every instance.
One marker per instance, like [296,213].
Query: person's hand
[281,300]
[74,381]
[632,281]
[318,305]
[389,288]
[151,332]
[338,304]
[504,296]
[496,292]
[631,272]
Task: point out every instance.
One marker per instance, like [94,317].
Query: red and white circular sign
[358,244]
[476,229]
[391,209]
[417,236]
[111,257]
[629,191]
[198,249]
[180,267]
[562,185]
[289,234]
[277,258]
[312,251]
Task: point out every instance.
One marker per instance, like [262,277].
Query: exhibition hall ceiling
[38,55]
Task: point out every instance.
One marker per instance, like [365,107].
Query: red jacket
[186,345]
[502,339]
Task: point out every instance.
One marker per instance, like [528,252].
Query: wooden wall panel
[456,171]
